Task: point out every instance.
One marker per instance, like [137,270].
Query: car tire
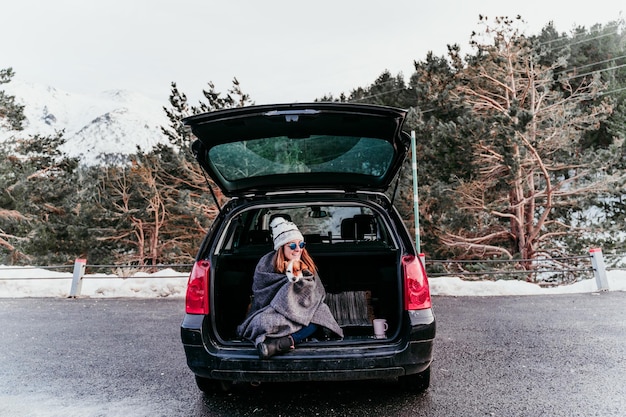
[212,386]
[416,382]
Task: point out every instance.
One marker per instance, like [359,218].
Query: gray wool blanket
[280,308]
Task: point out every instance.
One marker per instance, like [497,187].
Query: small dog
[296,269]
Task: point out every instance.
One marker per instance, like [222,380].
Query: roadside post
[416,211]
[77,277]
[599,269]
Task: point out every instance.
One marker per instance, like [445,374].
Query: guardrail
[79,268]
[595,259]
[477,268]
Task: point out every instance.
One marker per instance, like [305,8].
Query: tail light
[197,298]
[416,291]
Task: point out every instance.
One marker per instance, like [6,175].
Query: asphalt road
[559,355]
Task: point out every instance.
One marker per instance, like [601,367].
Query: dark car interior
[357,264]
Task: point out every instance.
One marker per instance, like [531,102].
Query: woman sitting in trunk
[286,310]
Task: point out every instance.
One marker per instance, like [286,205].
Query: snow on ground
[19,282]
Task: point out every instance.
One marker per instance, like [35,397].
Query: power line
[434,109]
[595,63]
[570,41]
[379,94]
[612,91]
[594,72]
[542,43]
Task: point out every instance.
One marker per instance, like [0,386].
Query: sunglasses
[293,246]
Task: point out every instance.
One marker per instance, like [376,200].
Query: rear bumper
[314,361]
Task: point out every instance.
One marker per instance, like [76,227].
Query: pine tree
[45,189]
[11,118]
[526,127]
[11,219]
[179,109]
[11,113]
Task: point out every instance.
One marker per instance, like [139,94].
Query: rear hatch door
[302,146]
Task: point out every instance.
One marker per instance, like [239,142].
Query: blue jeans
[303,333]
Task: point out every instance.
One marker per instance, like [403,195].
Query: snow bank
[16,282]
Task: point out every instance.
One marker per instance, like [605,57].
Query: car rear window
[315,153]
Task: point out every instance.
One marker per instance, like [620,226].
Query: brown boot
[271,346]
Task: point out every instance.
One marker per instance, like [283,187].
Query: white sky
[281,51]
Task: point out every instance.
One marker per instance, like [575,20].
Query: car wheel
[416,382]
[212,386]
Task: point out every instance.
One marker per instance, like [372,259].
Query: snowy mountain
[108,124]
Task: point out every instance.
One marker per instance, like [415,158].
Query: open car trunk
[358,263]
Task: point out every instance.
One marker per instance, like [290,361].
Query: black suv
[325,167]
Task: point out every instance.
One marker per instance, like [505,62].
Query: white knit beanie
[284,231]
